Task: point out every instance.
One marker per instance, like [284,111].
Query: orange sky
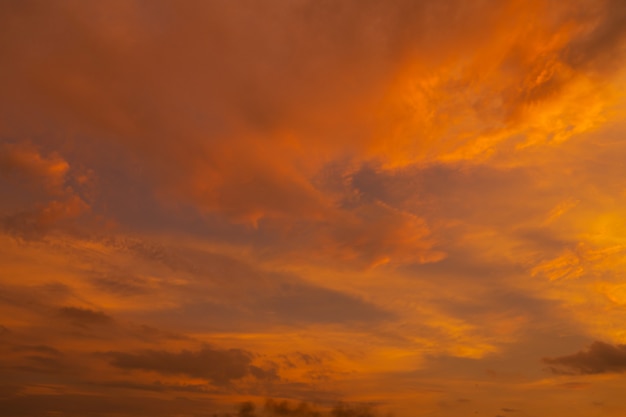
[415,205]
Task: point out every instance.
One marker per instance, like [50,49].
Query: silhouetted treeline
[284,408]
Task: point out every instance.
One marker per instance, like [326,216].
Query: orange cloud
[47,199]
[23,162]
[363,199]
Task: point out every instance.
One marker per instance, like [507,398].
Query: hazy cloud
[599,358]
[19,162]
[36,222]
[248,295]
[77,405]
[155,387]
[43,349]
[307,303]
[217,366]
[84,317]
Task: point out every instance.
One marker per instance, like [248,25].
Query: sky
[414,206]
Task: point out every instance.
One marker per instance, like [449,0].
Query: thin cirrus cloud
[399,203]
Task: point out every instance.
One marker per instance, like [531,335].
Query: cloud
[42,349]
[374,234]
[43,194]
[217,366]
[24,162]
[248,295]
[243,137]
[84,317]
[121,283]
[600,48]
[34,299]
[34,223]
[77,405]
[575,385]
[43,365]
[38,359]
[310,304]
[264,305]
[457,193]
[7,391]
[599,358]
[154,387]
[374,179]
[256,125]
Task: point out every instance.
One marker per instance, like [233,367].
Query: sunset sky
[414,205]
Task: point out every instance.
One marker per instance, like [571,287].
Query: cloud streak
[599,358]
[217,366]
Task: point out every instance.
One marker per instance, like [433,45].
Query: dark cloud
[180,259]
[451,190]
[155,386]
[603,47]
[502,300]
[599,358]
[121,284]
[217,366]
[309,359]
[300,302]
[80,405]
[34,298]
[43,365]
[85,317]
[150,333]
[7,391]
[39,359]
[42,349]
[249,296]
[287,303]
[36,222]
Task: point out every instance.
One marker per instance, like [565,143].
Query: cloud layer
[395,203]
